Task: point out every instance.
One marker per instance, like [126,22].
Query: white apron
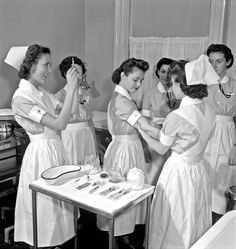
[55,218]
[78,141]
[181,206]
[124,152]
[217,161]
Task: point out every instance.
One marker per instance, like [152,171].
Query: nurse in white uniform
[78,138]
[125,151]
[181,206]
[158,102]
[35,112]
[221,151]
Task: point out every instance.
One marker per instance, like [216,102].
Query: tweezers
[86,184]
[109,190]
[118,196]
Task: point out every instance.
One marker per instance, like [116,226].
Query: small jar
[135,178]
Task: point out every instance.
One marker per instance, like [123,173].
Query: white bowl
[60,174]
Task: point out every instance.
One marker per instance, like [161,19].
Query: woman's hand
[142,133]
[73,77]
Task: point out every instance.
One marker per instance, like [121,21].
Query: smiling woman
[34,110]
[125,151]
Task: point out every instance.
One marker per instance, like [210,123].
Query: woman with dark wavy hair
[158,102]
[181,206]
[34,110]
[79,136]
[125,151]
[221,150]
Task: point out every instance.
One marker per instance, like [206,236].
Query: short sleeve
[170,129]
[126,110]
[28,115]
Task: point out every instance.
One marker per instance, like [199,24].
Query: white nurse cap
[16,56]
[200,71]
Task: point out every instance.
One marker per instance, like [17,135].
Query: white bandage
[133,118]
[36,114]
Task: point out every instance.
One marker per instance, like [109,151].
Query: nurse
[125,151]
[158,102]
[79,136]
[34,111]
[220,153]
[181,206]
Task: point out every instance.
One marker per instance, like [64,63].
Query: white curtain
[152,49]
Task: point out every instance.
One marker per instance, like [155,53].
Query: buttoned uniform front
[123,153]
[79,137]
[45,150]
[156,106]
[219,148]
[181,206]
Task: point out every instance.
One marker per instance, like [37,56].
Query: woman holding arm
[158,102]
[181,206]
[125,151]
[34,111]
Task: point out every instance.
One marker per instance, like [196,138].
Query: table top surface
[220,235]
[94,201]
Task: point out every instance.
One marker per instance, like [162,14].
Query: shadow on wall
[9,81]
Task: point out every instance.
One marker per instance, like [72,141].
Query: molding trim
[121,31]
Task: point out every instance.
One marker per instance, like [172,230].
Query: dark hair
[222,49]
[127,67]
[32,56]
[162,61]
[177,68]
[66,63]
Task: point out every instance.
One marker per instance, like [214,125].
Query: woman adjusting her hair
[221,151]
[125,151]
[35,112]
[181,206]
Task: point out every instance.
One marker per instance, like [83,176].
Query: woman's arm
[154,144]
[60,122]
[145,125]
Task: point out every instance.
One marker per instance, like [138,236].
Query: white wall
[58,24]
[231,40]
[99,48]
[170,18]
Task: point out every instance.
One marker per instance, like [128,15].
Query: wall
[99,49]
[170,18]
[231,40]
[58,24]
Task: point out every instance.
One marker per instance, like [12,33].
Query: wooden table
[68,193]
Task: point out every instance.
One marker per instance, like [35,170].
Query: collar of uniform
[225,79]
[25,85]
[122,91]
[162,89]
[190,101]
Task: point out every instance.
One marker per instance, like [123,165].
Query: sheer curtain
[152,49]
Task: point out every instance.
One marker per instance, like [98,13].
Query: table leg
[76,225]
[147,221]
[34,214]
[111,232]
